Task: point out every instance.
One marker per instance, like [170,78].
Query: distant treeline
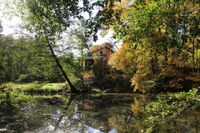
[26,60]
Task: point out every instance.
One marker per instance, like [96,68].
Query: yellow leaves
[138,104]
[192,7]
[120,5]
[136,82]
[163,30]
[146,64]
[88,75]
[144,40]
[123,7]
[124,58]
[126,1]
[139,60]
[117,6]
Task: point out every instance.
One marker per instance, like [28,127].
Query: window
[101,52]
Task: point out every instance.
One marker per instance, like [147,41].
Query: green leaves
[164,27]
[26,57]
[168,107]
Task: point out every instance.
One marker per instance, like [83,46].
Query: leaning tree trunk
[73,89]
[166,55]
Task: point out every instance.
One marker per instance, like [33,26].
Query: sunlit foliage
[159,33]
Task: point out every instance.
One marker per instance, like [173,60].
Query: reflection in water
[93,114]
[139,103]
[188,122]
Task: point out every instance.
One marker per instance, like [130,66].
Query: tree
[124,59]
[48,19]
[47,26]
[26,60]
[81,43]
[1,27]
[164,29]
[6,59]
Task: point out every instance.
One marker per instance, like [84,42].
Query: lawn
[36,87]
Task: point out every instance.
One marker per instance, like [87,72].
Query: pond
[110,113]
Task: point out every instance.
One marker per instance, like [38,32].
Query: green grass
[13,95]
[36,87]
[53,86]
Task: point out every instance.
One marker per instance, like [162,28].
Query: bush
[100,68]
[173,79]
[168,107]
[28,78]
[109,78]
[12,99]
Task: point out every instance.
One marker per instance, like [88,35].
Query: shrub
[12,99]
[27,78]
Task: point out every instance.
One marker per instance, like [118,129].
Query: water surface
[111,113]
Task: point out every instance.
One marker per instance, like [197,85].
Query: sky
[11,26]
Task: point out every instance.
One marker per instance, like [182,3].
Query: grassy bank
[13,95]
[35,87]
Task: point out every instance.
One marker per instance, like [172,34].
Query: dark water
[92,114]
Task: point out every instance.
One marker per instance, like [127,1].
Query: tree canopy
[155,34]
[158,33]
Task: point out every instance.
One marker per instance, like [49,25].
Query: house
[99,53]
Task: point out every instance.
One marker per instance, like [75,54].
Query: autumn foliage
[160,49]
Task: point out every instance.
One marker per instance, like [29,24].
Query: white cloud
[11,26]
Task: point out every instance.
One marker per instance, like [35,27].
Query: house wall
[99,52]
[108,52]
[104,52]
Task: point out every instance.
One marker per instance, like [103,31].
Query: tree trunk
[193,51]
[73,89]
[166,55]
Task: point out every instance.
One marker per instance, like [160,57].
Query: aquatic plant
[12,99]
[168,107]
